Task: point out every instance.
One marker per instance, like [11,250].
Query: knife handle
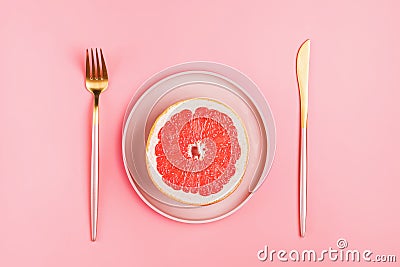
[303,181]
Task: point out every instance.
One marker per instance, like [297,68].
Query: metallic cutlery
[302,67]
[96,83]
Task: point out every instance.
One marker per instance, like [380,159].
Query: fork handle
[94,179]
[303,181]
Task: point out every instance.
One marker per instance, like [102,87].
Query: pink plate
[192,80]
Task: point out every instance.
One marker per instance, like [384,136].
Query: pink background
[354,170]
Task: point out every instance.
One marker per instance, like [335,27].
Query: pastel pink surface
[45,112]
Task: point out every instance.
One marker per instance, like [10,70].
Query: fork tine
[104,74]
[93,72]
[98,75]
[87,65]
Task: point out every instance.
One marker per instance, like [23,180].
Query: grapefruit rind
[240,164]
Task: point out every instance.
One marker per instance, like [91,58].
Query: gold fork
[96,83]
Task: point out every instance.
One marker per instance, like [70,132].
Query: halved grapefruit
[196,152]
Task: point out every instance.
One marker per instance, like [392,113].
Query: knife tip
[304,49]
[306,42]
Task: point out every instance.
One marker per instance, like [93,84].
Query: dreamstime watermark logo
[342,243]
[340,254]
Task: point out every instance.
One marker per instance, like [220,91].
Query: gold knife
[302,67]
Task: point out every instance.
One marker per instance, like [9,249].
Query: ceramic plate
[198,80]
